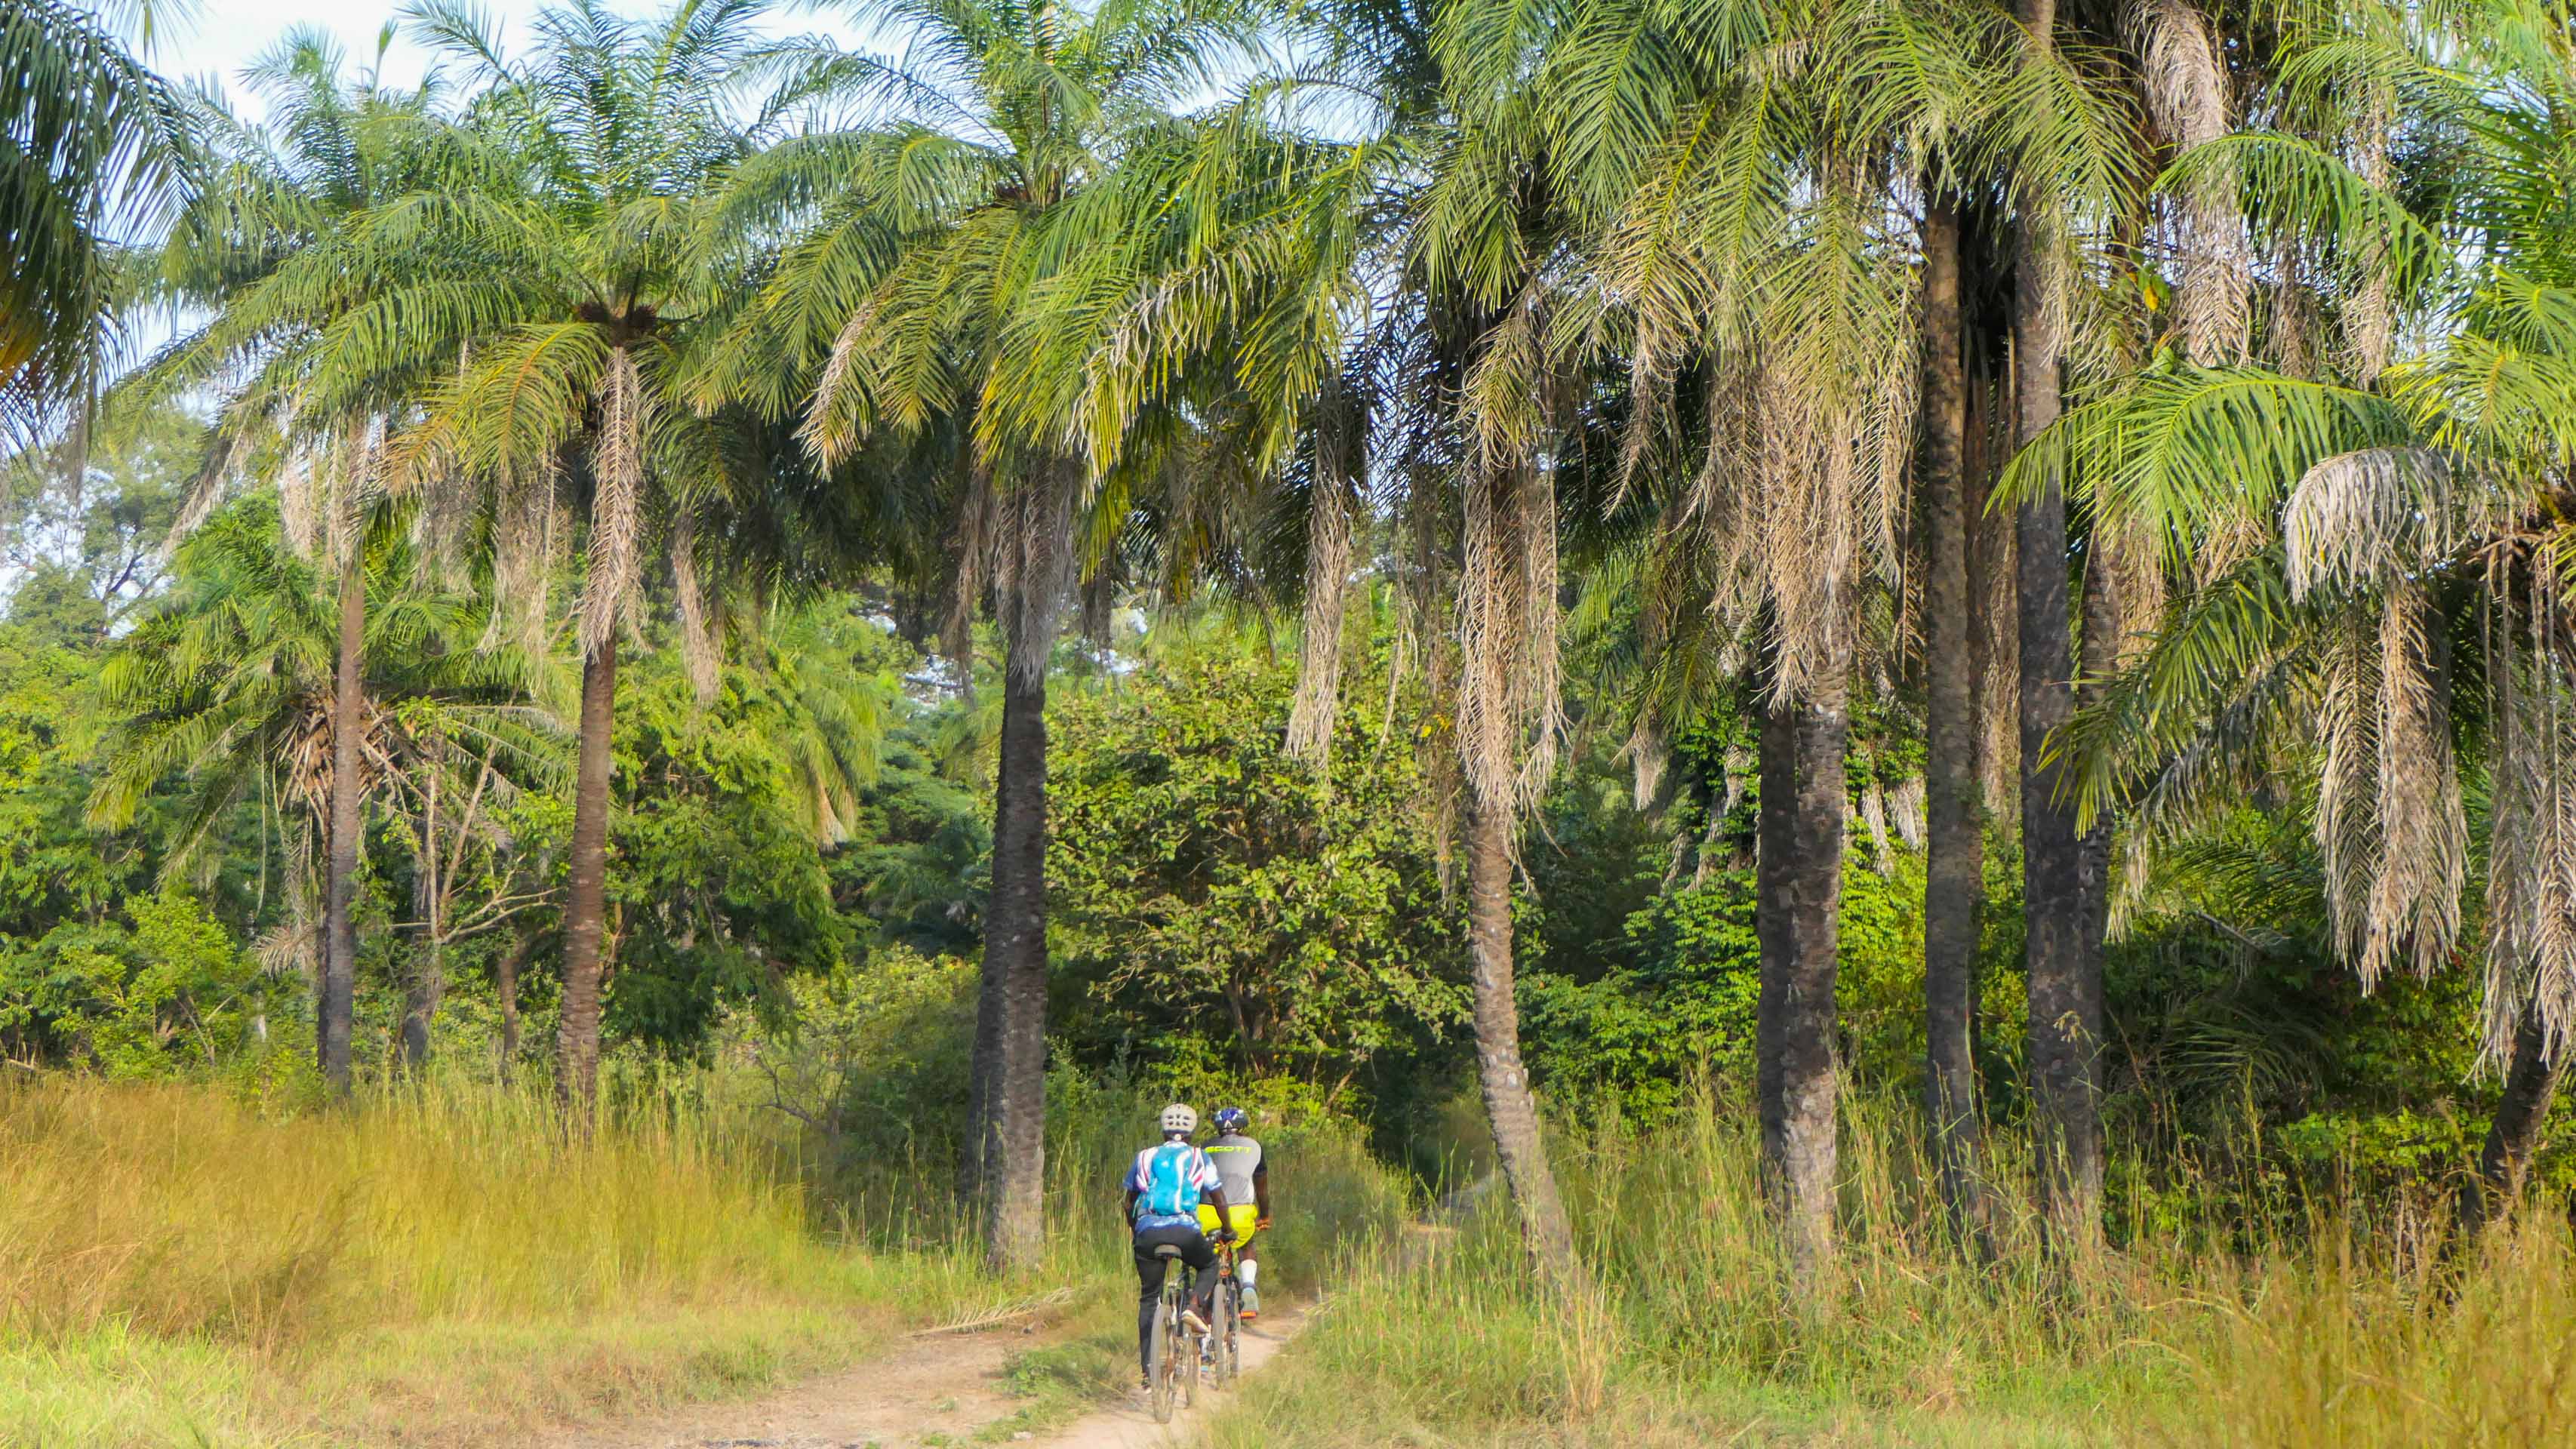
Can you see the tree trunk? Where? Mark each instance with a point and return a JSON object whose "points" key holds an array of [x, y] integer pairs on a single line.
{"points": [[1954, 806], [1010, 1028], [2530, 1085], [2065, 998], [1519, 1143], [338, 1004], [1799, 890], [427, 986], [585, 903]]}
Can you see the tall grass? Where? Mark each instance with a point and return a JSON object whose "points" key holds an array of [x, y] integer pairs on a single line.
{"points": [[177, 1267], [447, 1263], [2340, 1333]]}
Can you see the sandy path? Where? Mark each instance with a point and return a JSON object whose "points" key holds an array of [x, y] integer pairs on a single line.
{"points": [[936, 1390], [1132, 1426]]}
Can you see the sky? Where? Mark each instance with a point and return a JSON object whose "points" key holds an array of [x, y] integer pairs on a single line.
{"points": [[226, 35]]}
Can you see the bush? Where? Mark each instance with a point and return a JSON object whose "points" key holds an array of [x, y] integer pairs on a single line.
{"points": [[1634, 1038]]}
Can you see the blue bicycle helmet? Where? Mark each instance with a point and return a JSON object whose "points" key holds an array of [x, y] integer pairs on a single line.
{"points": [[1232, 1119]]}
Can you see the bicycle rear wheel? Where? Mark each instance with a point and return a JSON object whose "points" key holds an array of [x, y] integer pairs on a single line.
{"points": [[1167, 1369], [1187, 1351]]}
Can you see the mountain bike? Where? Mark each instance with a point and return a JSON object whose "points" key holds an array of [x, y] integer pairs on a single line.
{"points": [[1226, 1345], [1175, 1375]]}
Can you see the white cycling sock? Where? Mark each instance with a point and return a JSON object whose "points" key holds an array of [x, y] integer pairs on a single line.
{"points": [[1249, 1271]]}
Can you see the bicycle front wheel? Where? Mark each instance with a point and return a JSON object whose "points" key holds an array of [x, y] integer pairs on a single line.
{"points": [[1229, 1345]]}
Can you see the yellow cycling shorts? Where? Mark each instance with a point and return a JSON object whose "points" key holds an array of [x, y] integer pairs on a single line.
{"points": [[1238, 1215]]}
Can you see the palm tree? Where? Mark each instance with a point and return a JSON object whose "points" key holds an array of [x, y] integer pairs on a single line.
{"points": [[232, 682], [928, 233], [1742, 184], [2414, 502], [330, 149], [90, 142], [550, 275]]}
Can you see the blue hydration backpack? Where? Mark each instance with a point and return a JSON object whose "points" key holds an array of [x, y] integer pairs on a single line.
{"points": [[1170, 1191]]}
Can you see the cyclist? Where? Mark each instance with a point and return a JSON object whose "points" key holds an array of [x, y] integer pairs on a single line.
{"points": [[1164, 1190], [1245, 1175]]}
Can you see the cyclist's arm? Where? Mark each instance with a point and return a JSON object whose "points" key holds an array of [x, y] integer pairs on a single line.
{"points": [[1130, 1215], [1261, 1191]]}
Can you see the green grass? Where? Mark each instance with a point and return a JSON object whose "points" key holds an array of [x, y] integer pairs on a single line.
{"points": [[1696, 1335]]}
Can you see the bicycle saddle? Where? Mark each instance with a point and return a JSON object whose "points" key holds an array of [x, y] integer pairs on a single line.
{"points": [[1166, 1250]]}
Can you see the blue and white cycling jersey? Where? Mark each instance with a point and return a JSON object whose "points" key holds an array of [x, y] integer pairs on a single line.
{"points": [[1168, 1180]]}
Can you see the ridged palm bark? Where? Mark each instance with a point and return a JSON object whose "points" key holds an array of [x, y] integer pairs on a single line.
{"points": [[2065, 1002], [585, 911], [1799, 881], [1009, 1129], [1954, 804]]}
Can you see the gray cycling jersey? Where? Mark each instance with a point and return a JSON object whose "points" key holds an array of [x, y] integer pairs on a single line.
{"points": [[1237, 1158]]}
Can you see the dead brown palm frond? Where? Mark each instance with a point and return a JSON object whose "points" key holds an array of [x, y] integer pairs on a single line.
{"points": [[2414, 903], [1340, 428], [2531, 850], [698, 649], [2347, 831], [2360, 518], [2184, 81], [2369, 314], [527, 530], [617, 512]]}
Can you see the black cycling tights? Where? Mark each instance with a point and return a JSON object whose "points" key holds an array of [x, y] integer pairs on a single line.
{"points": [[1149, 1278]]}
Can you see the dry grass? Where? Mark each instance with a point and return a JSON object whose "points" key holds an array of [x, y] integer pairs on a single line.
{"points": [[178, 1268], [1698, 1338]]}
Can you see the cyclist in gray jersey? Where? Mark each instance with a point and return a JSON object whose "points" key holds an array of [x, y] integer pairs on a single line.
{"points": [[1245, 1172]]}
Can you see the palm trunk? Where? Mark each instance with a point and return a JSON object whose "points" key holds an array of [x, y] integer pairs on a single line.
{"points": [[1011, 1020], [338, 1005], [2065, 1012], [1799, 886], [1954, 807], [1519, 1144], [585, 903], [2530, 1085]]}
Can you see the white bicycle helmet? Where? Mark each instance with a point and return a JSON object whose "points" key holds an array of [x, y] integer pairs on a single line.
{"points": [[1179, 1118]]}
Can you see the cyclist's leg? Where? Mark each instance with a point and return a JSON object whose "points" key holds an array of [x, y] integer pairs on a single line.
{"points": [[1149, 1282], [1201, 1256], [1247, 1259]]}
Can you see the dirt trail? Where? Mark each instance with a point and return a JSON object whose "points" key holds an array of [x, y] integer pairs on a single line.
{"points": [[940, 1390], [937, 1390]]}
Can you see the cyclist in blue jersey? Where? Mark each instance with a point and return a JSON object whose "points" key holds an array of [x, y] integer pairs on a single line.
{"points": [[1164, 1190]]}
